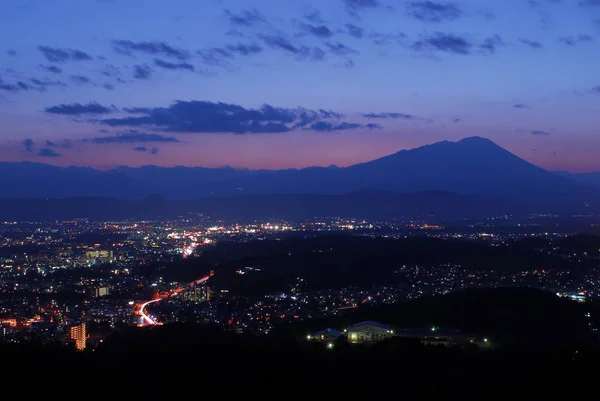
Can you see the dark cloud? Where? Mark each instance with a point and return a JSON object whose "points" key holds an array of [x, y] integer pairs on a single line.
{"points": [[133, 136], [576, 39], [129, 48], [108, 86], [531, 43], [80, 79], [142, 71], [444, 42], [490, 44], [398, 116], [456, 120], [541, 133], [153, 151], [332, 126], [244, 18], [519, 106], [429, 11], [302, 52], [56, 55], [320, 31], [340, 49], [47, 152], [208, 117], [51, 68], [76, 109], [19, 86], [11, 52], [28, 145], [355, 31], [173, 66]]}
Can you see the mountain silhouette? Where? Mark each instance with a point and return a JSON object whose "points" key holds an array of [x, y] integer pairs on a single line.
{"points": [[471, 166]]}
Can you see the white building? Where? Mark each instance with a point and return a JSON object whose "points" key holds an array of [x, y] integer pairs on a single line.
{"points": [[369, 331]]}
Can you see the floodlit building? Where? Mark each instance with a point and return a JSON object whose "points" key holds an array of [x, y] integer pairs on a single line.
{"points": [[327, 335], [76, 334], [101, 292], [368, 332]]}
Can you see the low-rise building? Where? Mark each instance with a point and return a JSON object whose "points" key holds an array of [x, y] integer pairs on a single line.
{"points": [[368, 332], [327, 335]]}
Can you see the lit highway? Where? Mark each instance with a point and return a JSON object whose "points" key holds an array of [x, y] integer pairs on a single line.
{"points": [[140, 308], [146, 318]]}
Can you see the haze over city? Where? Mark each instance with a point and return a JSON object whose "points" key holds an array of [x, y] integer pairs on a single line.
{"points": [[273, 85]]}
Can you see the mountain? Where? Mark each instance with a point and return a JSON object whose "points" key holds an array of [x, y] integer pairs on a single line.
{"points": [[472, 166], [475, 166], [362, 204]]}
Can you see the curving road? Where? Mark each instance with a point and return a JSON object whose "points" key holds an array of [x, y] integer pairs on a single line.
{"points": [[146, 318]]}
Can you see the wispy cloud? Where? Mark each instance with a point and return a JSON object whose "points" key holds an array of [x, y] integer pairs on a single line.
{"points": [[444, 42], [28, 145], [429, 11], [152, 151], [57, 55], [279, 42], [340, 49], [142, 71], [80, 79], [51, 68], [244, 18], [129, 48], [320, 31], [76, 109], [573, 40], [173, 66], [398, 116], [323, 126], [133, 136], [531, 43], [355, 30], [47, 152]]}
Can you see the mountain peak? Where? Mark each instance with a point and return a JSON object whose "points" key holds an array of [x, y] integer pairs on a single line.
{"points": [[477, 140]]}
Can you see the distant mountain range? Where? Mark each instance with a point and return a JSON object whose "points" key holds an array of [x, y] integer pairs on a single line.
{"points": [[473, 167]]}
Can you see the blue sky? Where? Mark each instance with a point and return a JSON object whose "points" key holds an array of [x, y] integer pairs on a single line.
{"points": [[113, 82]]}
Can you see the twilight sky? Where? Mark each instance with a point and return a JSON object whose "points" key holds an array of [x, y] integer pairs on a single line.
{"points": [[277, 84]]}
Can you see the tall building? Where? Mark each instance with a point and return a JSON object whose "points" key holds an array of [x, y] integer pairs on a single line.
{"points": [[77, 335]]}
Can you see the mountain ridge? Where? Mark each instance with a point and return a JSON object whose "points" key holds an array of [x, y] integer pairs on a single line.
{"points": [[470, 166]]}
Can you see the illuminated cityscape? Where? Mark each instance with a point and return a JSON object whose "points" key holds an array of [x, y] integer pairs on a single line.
{"points": [[109, 275]]}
